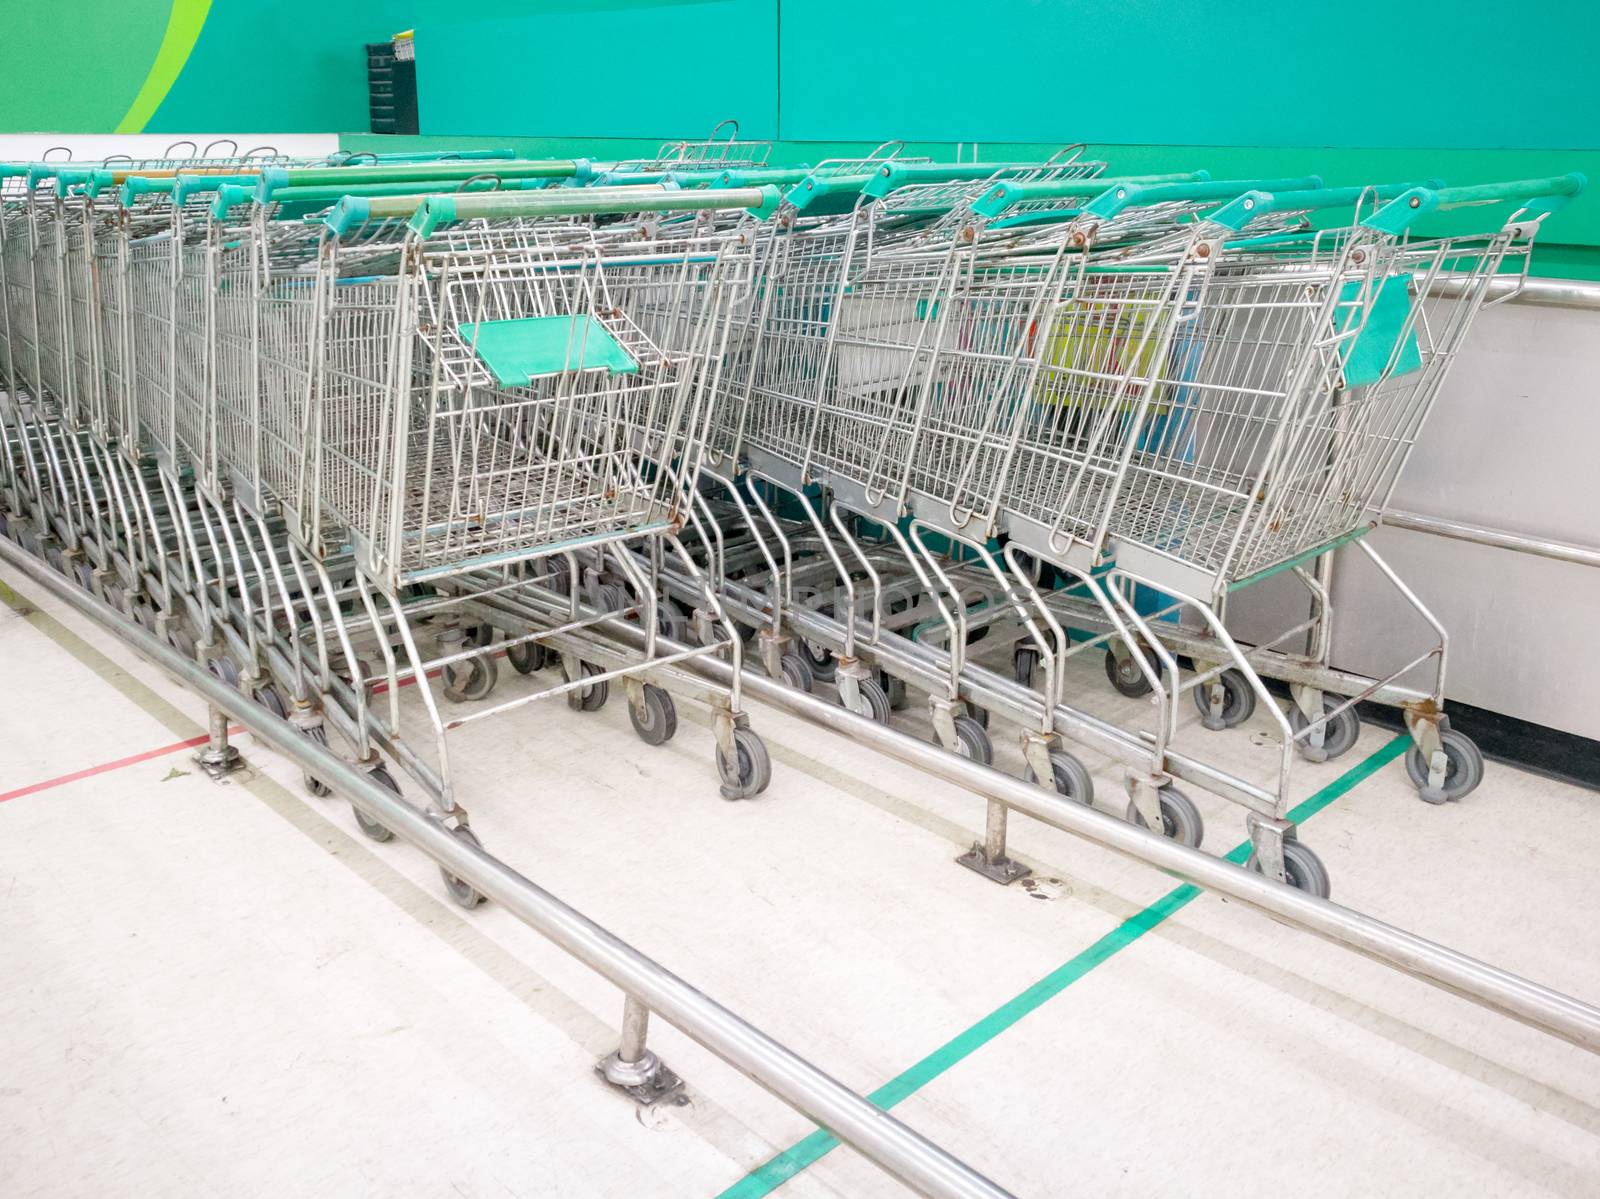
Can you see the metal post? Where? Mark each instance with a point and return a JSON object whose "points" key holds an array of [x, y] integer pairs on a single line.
{"points": [[633, 1069], [218, 758]]}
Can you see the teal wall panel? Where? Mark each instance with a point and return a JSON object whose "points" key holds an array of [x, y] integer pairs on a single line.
{"points": [[1377, 73], [646, 68]]}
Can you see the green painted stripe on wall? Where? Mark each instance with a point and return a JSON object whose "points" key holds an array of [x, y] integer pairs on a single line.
{"points": [[187, 19]]}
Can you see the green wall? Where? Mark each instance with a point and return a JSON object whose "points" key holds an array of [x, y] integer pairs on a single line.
{"points": [[1347, 90]]}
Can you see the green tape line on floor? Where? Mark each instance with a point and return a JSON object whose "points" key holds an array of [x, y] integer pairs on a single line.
{"points": [[774, 1172]]}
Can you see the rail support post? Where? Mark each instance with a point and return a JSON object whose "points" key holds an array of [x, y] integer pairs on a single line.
{"points": [[988, 857], [218, 758], [633, 1069]]}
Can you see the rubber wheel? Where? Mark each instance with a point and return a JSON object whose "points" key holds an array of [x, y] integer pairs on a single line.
{"points": [[527, 657], [972, 741], [672, 622], [1024, 661], [981, 715], [1304, 868], [872, 702], [656, 717], [312, 784], [270, 698], [750, 771], [591, 698], [369, 827], [797, 672], [223, 668], [1463, 772], [895, 689], [1126, 676], [1339, 735], [473, 679], [1071, 777], [462, 893], [1238, 699], [1180, 819], [480, 634], [821, 660], [610, 597]]}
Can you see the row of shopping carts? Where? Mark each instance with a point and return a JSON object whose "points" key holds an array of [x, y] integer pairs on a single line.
{"points": [[884, 425]]}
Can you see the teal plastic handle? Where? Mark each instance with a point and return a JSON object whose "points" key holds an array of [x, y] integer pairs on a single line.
{"points": [[1539, 196], [435, 210], [891, 175], [229, 195], [761, 176], [329, 194], [813, 193], [142, 185], [1257, 203], [421, 174], [194, 185], [1116, 200], [88, 180], [1004, 195]]}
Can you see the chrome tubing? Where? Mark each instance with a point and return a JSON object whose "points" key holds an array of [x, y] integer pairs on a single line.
{"points": [[874, 1133]]}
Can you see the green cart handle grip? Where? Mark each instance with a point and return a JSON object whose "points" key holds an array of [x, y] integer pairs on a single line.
{"points": [[815, 187], [193, 185], [434, 210], [329, 194], [142, 185], [1539, 196], [892, 175], [1258, 203], [1004, 195], [419, 173], [229, 195], [761, 176], [38, 172], [88, 179], [1116, 200]]}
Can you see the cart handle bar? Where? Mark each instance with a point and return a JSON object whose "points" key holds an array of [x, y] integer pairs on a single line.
{"points": [[434, 210], [273, 178], [1002, 196], [1538, 197], [1257, 203]]}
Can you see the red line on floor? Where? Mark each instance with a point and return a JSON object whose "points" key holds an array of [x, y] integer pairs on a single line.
{"points": [[91, 771]]}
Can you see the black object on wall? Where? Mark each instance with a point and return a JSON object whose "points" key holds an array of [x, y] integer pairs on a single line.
{"points": [[391, 90]]}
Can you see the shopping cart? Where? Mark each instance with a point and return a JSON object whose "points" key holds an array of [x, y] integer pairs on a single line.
{"points": [[505, 409]]}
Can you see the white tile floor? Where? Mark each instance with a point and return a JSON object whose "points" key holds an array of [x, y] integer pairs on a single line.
{"points": [[224, 989]]}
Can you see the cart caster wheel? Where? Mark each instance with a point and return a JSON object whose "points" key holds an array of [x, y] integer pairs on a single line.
{"points": [[479, 634], [182, 640], [1024, 661], [462, 893], [797, 672], [471, 680], [895, 689], [1126, 676], [368, 826], [656, 717], [750, 771], [527, 657], [821, 660], [1238, 700], [85, 577], [1304, 868], [871, 702], [1462, 774], [222, 668], [316, 786], [980, 715], [270, 698], [610, 597], [592, 697], [672, 621], [972, 741], [1071, 777], [1338, 736], [1180, 819]]}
